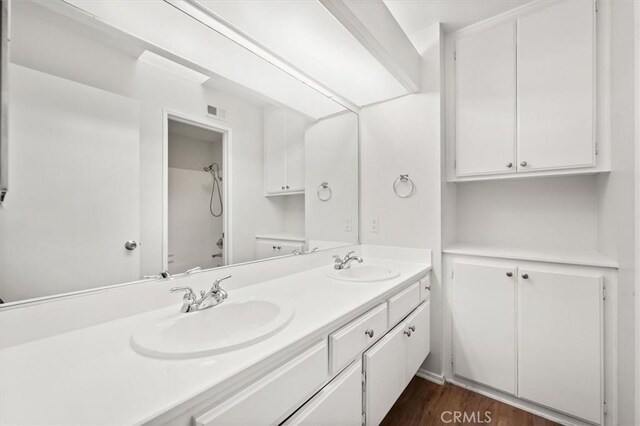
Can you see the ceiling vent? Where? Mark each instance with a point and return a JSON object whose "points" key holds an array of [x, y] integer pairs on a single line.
{"points": [[216, 112]]}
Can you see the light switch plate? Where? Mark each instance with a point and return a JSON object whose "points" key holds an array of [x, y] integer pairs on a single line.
{"points": [[374, 225]]}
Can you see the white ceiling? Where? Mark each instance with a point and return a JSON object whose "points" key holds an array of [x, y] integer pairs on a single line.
{"points": [[169, 32], [308, 36], [416, 15]]}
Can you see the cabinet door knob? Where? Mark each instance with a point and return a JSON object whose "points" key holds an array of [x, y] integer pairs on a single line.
{"points": [[525, 276], [274, 247], [369, 332], [130, 245], [509, 274], [523, 164], [287, 186], [279, 248], [282, 187], [407, 332], [412, 327], [509, 165]]}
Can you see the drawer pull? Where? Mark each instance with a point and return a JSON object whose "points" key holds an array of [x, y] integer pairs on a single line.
{"points": [[509, 274], [408, 333], [525, 276], [412, 327], [369, 333]]}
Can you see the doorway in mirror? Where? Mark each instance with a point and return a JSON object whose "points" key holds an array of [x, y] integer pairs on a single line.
{"points": [[196, 193]]}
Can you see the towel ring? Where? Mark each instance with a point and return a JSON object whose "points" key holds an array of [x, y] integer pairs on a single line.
{"points": [[324, 192], [404, 179]]}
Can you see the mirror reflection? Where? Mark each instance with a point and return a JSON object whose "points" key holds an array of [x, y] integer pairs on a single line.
{"points": [[143, 148]]}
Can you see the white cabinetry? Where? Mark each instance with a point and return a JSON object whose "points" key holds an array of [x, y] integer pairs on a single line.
{"points": [[524, 93], [391, 363], [267, 247], [556, 87], [484, 325], [339, 403], [486, 101], [560, 341], [284, 133], [534, 332], [305, 390], [268, 400]]}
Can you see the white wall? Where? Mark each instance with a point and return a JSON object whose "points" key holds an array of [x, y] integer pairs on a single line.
{"points": [[47, 47], [558, 212], [617, 192], [331, 155], [403, 136]]}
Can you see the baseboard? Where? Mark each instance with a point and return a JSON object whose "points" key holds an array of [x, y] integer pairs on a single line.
{"points": [[432, 377]]}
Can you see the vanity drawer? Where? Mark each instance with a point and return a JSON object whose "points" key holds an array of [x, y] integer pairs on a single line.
{"points": [[338, 403], [425, 288], [401, 304], [356, 336], [273, 397]]}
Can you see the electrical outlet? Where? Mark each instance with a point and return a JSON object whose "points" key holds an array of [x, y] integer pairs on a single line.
{"points": [[374, 224], [347, 224]]}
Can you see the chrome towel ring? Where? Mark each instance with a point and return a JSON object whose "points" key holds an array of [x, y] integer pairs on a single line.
{"points": [[404, 179], [324, 192]]}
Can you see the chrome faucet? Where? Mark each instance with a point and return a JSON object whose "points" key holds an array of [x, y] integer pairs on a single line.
{"points": [[301, 251], [213, 297], [346, 262]]}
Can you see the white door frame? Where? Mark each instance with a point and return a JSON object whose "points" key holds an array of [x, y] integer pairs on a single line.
{"points": [[209, 124]]}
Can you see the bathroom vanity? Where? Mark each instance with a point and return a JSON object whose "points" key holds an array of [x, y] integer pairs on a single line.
{"points": [[347, 351]]}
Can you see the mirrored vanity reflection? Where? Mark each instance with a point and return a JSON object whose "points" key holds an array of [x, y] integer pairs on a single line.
{"points": [[145, 144]]}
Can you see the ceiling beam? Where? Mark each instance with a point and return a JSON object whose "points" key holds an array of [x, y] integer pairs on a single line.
{"points": [[373, 25]]}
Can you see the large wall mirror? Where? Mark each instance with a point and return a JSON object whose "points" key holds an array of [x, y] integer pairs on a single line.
{"points": [[142, 141]]}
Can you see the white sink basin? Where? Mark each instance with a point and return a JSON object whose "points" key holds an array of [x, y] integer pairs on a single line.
{"points": [[228, 326], [362, 273]]}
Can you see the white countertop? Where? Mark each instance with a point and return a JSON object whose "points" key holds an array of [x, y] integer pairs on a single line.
{"points": [[567, 256], [281, 236], [93, 376]]}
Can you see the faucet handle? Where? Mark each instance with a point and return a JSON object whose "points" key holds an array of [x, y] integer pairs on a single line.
{"points": [[349, 254], [192, 270], [216, 283], [188, 295]]}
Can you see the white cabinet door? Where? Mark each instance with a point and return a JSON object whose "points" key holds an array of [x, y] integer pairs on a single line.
{"points": [[419, 323], [560, 342], [265, 249], [386, 374], [486, 102], [556, 87], [275, 150], [338, 403], [484, 325], [83, 178], [288, 247], [296, 126]]}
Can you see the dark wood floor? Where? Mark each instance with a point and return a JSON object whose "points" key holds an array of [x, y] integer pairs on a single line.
{"points": [[426, 403]]}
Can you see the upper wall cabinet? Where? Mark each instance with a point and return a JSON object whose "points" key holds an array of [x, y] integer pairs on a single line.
{"points": [[284, 151], [486, 101], [556, 87], [522, 94]]}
